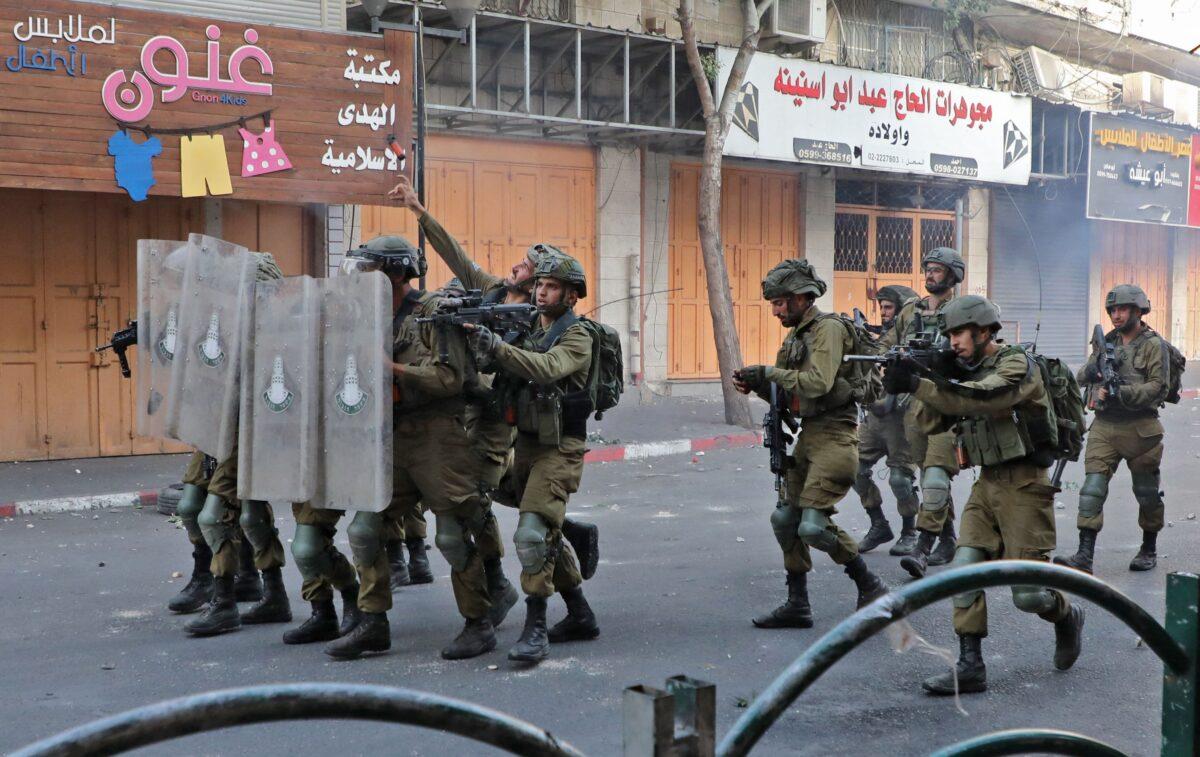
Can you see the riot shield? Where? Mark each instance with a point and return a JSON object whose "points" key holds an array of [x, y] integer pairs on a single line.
{"points": [[355, 467], [161, 265], [214, 320], [277, 449]]}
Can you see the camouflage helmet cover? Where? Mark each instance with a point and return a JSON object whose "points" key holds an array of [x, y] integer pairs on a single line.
{"points": [[393, 253], [1127, 294], [948, 257], [553, 263], [895, 294], [970, 310], [792, 277]]}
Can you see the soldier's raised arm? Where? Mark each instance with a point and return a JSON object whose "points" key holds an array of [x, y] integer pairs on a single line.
{"points": [[446, 246]]}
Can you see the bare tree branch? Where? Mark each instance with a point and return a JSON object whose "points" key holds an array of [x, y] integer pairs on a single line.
{"points": [[763, 7], [691, 48]]}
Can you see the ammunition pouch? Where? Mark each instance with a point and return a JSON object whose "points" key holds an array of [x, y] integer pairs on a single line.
{"points": [[994, 440], [576, 407], [540, 413]]}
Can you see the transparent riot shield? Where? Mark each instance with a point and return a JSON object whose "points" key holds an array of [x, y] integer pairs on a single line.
{"points": [[277, 448], [214, 320], [161, 265], [355, 467]]}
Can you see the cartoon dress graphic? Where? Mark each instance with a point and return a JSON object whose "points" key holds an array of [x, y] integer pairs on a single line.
{"points": [[209, 348], [262, 153], [350, 398], [277, 396]]}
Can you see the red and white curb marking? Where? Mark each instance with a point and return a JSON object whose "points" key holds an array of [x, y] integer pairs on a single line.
{"points": [[607, 454]]}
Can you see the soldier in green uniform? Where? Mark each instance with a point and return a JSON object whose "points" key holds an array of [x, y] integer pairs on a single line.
{"points": [[997, 405], [881, 433], [1126, 428], [219, 521], [544, 378], [323, 569], [433, 466], [934, 454], [810, 369]]}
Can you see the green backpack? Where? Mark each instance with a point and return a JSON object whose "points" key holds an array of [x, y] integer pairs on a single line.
{"points": [[1177, 364], [1065, 437], [606, 377], [866, 384]]}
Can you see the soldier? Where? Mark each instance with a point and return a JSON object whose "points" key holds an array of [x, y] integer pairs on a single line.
{"points": [[493, 437], [882, 433], [323, 568], [810, 369], [433, 465], [1010, 513], [1126, 428], [934, 454], [544, 378]]}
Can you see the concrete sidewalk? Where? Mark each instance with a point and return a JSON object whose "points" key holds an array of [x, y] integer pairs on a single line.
{"points": [[632, 430]]}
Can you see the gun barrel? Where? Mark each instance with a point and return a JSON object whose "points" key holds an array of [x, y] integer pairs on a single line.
{"points": [[864, 359]]}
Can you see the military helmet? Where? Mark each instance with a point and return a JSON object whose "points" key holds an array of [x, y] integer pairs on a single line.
{"points": [[390, 254], [970, 310], [895, 294], [1127, 294], [792, 277], [553, 263], [948, 257]]}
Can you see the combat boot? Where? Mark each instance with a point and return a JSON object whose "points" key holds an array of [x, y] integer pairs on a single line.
{"points": [[534, 644], [351, 615], [221, 615], [1147, 556], [322, 625], [274, 607], [580, 623], [918, 561], [247, 583], [947, 543], [199, 588], [418, 562], [970, 670], [870, 586], [477, 637], [1068, 639], [585, 540], [879, 532], [795, 612], [1083, 557], [372, 634], [908, 537], [398, 565], [502, 594]]}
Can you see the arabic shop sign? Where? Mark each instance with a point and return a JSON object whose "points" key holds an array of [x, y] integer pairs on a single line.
{"points": [[796, 110], [1141, 171], [45, 54]]}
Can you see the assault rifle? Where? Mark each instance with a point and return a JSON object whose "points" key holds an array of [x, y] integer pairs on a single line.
{"points": [[501, 319], [1106, 368], [920, 351], [775, 438], [121, 341]]}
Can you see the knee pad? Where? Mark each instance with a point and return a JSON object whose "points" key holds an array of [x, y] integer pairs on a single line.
{"points": [[365, 534], [814, 530], [1145, 490], [191, 502], [452, 541], [530, 541], [311, 552], [967, 556], [212, 523], [901, 482], [1092, 494], [862, 479], [784, 522], [257, 525], [1033, 599], [935, 488]]}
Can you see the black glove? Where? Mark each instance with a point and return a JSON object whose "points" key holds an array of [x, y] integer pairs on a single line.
{"points": [[900, 378], [484, 341], [753, 376]]}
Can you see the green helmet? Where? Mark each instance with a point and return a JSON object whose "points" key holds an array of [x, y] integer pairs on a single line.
{"points": [[553, 263], [895, 294], [792, 277], [949, 258], [1127, 294], [970, 310], [390, 254]]}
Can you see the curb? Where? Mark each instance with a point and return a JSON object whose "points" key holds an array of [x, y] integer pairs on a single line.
{"points": [[607, 454], [1190, 394]]}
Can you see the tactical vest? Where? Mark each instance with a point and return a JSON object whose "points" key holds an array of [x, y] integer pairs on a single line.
{"points": [[1129, 373], [1025, 432], [409, 347], [549, 411], [793, 354]]}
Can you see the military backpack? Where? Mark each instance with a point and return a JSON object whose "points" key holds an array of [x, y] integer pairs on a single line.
{"points": [[606, 377], [866, 385], [1176, 365], [1066, 405]]}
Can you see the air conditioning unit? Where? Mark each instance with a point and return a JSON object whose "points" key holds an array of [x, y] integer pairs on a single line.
{"points": [[796, 21], [1184, 102], [1040, 73], [1143, 88]]}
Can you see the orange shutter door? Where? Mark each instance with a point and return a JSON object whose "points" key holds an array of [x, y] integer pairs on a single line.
{"points": [[1134, 253], [22, 340]]}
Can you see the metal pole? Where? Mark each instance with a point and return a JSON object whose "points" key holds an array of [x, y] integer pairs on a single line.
{"points": [[474, 97], [578, 75], [626, 78], [527, 103], [672, 105], [419, 169], [958, 224], [1025, 741]]}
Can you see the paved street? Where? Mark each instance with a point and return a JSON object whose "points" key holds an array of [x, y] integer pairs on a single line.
{"points": [[688, 558]]}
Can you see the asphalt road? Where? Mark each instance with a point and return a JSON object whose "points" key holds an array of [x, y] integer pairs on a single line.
{"points": [[688, 558]]}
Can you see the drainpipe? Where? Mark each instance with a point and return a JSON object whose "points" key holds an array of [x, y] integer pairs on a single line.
{"points": [[635, 319]]}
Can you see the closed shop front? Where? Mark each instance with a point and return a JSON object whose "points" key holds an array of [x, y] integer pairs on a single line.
{"points": [[761, 226], [498, 197], [1134, 253]]}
